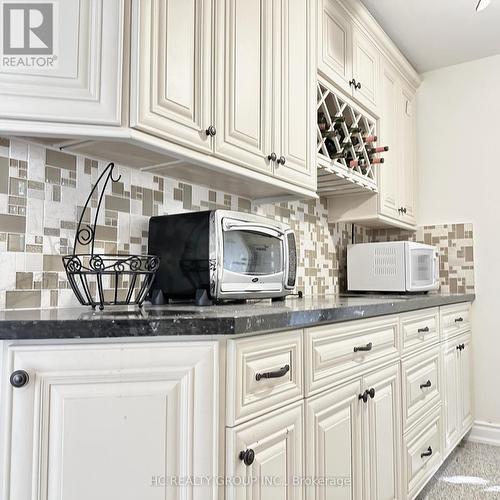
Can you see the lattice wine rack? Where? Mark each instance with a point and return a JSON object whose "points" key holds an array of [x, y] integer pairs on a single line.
{"points": [[345, 151]]}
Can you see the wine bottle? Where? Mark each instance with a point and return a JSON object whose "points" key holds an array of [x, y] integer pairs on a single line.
{"points": [[370, 138], [355, 130], [377, 160], [337, 130], [322, 122], [338, 119], [380, 149]]}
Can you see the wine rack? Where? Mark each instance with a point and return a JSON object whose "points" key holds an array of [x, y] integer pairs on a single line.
{"points": [[343, 129]]}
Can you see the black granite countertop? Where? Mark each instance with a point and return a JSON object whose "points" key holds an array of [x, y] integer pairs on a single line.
{"points": [[229, 319]]}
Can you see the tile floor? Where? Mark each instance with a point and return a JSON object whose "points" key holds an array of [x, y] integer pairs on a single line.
{"points": [[471, 472]]}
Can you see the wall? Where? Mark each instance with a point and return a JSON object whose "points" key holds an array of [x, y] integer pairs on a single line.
{"points": [[458, 134]]}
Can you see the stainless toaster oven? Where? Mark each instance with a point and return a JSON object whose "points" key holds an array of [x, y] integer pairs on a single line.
{"points": [[221, 255]]}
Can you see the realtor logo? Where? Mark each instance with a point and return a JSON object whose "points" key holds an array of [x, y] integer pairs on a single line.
{"points": [[28, 28]]}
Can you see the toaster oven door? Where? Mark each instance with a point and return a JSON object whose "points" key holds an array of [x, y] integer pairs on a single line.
{"points": [[253, 257]]}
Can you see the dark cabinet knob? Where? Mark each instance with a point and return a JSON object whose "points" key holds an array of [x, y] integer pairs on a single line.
{"points": [[364, 396], [426, 453], [368, 393], [459, 320], [247, 456], [19, 378], [352, 82], [211, 131], [364, 348], [358, 86], [425, 329], [281, 160], [272, 157], [426, 385], [460, 347], [276, 374]]}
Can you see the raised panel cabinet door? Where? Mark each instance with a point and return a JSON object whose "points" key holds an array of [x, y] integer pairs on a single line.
{"points": [[333, 444], [244, 75], [382, 435], [407, 166], [172, 81], [297, 110], [77, 76], [451, 394], [466, 415], [114, 421], [334, 41], [265, 457], [366, 67], [388, 173]]}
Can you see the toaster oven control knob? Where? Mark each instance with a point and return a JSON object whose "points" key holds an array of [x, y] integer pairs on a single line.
{"points": [[272, 157], [211, 131], [19, 378], [247, 456]]}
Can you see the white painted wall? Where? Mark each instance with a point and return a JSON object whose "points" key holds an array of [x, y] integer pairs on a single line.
{"points": [[458, 150]]}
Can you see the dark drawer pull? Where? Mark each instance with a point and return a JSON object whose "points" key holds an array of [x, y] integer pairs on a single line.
{"points": [[426, 385], [276, 374], [367, 347], [247, 456], [427, 453], [425, 329], [459, 320], [460, 347]]}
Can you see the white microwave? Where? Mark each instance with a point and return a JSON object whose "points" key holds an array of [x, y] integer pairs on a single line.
{"points": [[398, 266]]}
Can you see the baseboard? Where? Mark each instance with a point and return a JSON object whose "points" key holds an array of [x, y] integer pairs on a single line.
{"points": [[483, 432]]}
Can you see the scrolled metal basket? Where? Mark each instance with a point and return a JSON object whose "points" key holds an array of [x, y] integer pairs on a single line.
{"points": [[106, 279]]}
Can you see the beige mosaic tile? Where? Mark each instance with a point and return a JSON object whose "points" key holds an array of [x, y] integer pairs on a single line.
{"points": [[42, 194]]}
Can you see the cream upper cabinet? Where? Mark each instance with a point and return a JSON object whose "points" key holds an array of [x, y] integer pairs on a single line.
{"points": [[77, 77], [295, 130], [407, 141], [266, 455], [366, 66], [111, 421], [388, 173], [346, 55], [265, 89], [245, 74], [335, 46], [172, 59]]}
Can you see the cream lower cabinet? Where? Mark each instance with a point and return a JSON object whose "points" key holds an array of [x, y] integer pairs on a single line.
{"points": [[457, 406], [353, 439], [115, 421], [265, 457]]}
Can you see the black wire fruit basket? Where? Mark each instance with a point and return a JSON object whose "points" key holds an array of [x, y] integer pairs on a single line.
{"points": [[106, 279]]}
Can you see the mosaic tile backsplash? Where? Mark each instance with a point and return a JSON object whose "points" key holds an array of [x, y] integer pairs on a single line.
{"points": [[42, 193]]}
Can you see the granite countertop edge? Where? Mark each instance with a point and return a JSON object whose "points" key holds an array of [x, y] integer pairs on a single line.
{"points": [[247, 319]]}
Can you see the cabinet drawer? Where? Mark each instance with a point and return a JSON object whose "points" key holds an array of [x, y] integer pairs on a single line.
{"points": [[455, 319], [263, 373], [340, 351], [422, 453], [419, 329], [421, 385]]}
